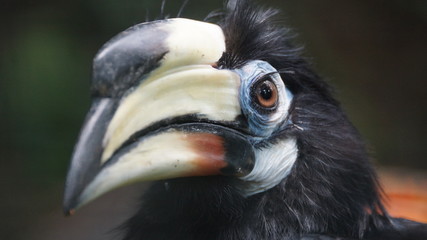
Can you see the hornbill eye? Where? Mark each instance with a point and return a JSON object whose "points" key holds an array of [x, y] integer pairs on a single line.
{"points": [[265, 94], [265, 99]]}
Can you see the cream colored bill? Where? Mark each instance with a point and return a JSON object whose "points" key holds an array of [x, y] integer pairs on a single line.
{"points": [[202, 90]]}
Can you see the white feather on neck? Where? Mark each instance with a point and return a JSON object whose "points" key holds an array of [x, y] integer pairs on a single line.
{"points": [[272, 165]]}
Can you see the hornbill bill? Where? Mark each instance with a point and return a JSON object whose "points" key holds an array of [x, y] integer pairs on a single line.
{"points": [[241, 138]]}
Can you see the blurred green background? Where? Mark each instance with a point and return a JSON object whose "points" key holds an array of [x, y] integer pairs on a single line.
{"points": [[373, 51]]}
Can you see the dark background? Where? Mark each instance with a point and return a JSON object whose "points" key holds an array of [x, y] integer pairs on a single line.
{"points": [[373, 51]]}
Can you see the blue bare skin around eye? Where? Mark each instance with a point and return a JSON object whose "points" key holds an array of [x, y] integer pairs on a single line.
{"points": [[259, 123]]}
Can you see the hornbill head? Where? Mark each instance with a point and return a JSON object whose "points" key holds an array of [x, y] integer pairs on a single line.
{"points": [[234, 102]]}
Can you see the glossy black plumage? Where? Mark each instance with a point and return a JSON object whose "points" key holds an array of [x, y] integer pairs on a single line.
{"points": [[332, 191]]}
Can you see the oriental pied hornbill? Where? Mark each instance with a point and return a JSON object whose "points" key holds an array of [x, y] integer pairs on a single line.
{"points": [[241, 138]]}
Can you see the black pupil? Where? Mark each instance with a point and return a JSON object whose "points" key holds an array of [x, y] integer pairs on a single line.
{"points": [[266, 92]]}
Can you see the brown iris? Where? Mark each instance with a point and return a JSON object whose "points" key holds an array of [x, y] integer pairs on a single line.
{"points": [[266, 94]]}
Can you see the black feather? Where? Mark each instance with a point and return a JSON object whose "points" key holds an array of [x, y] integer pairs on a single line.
{"points": [[332, 192], [254, 33]]}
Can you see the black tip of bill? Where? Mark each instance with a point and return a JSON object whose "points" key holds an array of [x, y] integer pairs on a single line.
{"points": [[87, 152]]}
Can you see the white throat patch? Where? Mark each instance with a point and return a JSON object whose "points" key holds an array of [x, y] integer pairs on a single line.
{"points": [[271, 167]]}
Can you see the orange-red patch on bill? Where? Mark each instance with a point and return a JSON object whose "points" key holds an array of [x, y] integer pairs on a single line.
{"points": [[211, 153]]}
